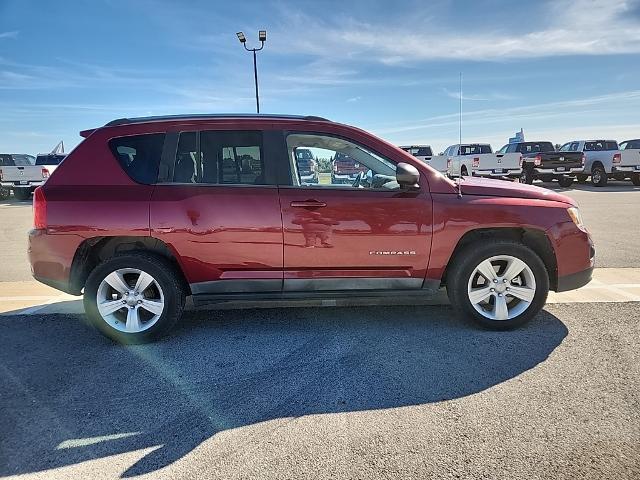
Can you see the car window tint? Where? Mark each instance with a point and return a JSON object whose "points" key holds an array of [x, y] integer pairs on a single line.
{"points": [[328, 161], [424, 152], [611, 146], [139, 155], [220, 158]]}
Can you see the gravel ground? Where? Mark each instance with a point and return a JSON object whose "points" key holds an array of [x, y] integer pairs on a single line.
{"points": [[384, 392]]}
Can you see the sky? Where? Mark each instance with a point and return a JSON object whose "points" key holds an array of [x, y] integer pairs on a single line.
{"points": [[559, 69]]}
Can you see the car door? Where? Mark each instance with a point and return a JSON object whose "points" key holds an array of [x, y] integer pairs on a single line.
{"points": [[367, 235], [216, 205]]}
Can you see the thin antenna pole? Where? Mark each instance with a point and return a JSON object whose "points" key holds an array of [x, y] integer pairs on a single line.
{"points": [[460, 108]]}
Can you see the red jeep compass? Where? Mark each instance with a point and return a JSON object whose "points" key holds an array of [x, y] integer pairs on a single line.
{"points": [[146, 211]]}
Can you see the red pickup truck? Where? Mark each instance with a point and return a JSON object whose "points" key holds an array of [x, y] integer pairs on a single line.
{"points": [[147, 211]]}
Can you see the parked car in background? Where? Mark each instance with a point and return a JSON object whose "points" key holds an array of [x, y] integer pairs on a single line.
{"points": [[541, 161], [599, 159], [154, 227], [307, 165], [50, 161], [478, 159], [421, 152], [345, 169], [627, 165], [18, 173]]}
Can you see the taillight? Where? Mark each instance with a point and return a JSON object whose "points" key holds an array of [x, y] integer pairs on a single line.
{"points": [[475, 163], [617, 158], [537, 160], [520, 161], [335, 167], [448, 163], [584, 159], [0, 174], [45, 173], [39, 209]]}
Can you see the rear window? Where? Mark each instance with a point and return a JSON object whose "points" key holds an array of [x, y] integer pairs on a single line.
{"points": [[535, 147], [474, 149], [630, 145], [600, 145], [49, 159], [139, 155]]}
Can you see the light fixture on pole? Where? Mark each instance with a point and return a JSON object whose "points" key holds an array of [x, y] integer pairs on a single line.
{"points": [[262, 37]]}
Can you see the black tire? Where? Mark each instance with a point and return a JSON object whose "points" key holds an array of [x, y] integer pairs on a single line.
{"points": [[565, 181], [582, 178], [465, 263], [5, 193], [635, 179], [464, 172], [526, 176], [619, 176], [598, 176], [166, 276], [22, 193]]}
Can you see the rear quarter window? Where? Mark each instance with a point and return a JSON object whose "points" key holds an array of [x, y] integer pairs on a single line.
{"points": [[139, 155]]}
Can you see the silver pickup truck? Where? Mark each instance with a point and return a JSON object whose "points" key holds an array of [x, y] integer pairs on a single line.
{"points": [[18, 173], [628, 163], [600, 157]]}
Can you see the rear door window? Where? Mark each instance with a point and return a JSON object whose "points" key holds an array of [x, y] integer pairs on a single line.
{"points": [[139, 155], [220, 158]]}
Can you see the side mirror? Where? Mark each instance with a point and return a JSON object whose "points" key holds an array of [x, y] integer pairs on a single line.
{"points": [[407, 176]]}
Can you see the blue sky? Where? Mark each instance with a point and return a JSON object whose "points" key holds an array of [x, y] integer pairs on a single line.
{"points": [[559, 69]]}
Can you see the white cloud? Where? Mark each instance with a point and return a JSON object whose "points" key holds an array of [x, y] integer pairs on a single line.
{"points": [[570, 27], [13, 34], [354, 99]]}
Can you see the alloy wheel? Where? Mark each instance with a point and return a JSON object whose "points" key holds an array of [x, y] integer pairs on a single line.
{"points": [[130, 300], [501, 287]]}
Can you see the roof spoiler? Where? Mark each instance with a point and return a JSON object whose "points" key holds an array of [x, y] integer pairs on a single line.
{"points": [[86, 133]]}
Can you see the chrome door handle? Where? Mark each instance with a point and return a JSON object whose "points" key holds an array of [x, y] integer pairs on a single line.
{"points": [[308, 204]]}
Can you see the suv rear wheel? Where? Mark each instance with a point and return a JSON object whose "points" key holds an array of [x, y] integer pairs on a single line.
{"points": [[499, 284], [134, 297]]}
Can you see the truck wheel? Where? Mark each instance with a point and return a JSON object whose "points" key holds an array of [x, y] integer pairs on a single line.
{"points": [[635, 179], [598, 176], [463, 171], [565, 181], [526, 176], [22, 193], [5, 193], [499, 284], [134, 297], [582, 178]]}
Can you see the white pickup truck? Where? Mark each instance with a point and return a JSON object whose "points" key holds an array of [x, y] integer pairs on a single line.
{"points": [[477, 159], [18, 173], [627, 164], [421, 152], [600, 158]]}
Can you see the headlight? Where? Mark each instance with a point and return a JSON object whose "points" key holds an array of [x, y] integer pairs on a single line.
{"points": [[576, 216]]}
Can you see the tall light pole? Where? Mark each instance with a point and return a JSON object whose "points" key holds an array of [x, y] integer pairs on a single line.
{"points": [[262, 37]]}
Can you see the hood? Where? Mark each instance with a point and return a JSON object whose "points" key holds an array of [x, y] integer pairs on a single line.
{"points": [[501, 188]]}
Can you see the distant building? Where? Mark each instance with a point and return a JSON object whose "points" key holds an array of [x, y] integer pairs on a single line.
{"points": [[518, 138]]}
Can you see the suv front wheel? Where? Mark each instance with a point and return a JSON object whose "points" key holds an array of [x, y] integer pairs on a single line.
{"points": [[134, 297], [500, 284]]}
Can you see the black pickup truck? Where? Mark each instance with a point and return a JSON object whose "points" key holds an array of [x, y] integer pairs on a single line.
{"points": [[540, 160]]}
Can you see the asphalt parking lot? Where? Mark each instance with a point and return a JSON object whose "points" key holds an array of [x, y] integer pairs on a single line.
{"points": [[361, 392]]}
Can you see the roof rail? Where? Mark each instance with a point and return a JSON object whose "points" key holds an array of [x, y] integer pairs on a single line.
{"points": [[201, 116]]}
